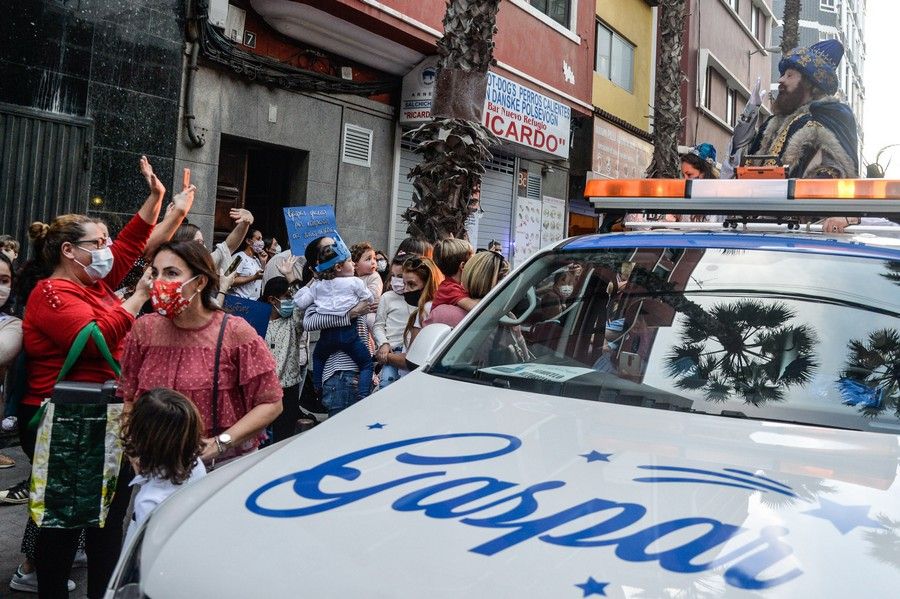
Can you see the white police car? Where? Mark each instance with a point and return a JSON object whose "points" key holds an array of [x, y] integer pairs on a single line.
{"points": [[707, 414]]}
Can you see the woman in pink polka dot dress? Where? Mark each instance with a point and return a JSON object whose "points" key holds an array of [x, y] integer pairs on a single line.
{"points": [[176, 348]]}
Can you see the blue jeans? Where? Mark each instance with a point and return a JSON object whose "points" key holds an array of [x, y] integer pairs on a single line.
{"points": [[389, 373], [340, 391], [345, 339]]}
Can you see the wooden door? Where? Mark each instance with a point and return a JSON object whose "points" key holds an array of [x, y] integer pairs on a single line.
{"points": [[231, 185]]}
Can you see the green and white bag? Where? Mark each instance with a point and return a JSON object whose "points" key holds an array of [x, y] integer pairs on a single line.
{"points": [[78, 451]]}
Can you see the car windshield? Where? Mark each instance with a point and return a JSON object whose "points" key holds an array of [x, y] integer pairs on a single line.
{"points": [[775, 335]]}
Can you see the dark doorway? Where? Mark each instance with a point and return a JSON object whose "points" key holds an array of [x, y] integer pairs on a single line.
{"points": [[262, 178]]}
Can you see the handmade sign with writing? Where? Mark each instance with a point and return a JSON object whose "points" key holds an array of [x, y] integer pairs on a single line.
{"points": [[254, 312]]}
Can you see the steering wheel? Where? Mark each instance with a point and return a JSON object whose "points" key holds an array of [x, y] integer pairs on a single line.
{"points": [[532, 304]]}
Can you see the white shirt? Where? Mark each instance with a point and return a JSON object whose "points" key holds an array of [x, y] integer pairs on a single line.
{"points": [[391, 319], [335, 296], [153, 491], [221, 256], [249, 266]]}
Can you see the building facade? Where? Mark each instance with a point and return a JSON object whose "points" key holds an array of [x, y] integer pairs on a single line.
{"points": [[277, 103], [87, 89], [725, 53], [622, 96], [834, 19]]}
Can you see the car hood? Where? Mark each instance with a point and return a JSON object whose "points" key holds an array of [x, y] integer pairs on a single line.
{"points": [[446, 488]]}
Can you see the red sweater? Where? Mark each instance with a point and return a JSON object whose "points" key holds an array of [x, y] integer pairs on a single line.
{"points": [[449, 292], [58, 309]]}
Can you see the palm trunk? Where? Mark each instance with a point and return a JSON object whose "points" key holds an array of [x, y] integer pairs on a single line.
{"points": [[455, 143], [667, 120], [791, 30]]}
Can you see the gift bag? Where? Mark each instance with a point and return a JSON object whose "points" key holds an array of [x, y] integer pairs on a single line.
{"points": [[78, 451]]}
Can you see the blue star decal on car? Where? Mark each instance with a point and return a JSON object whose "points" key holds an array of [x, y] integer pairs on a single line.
{"points": [[844, 517], [596, 456], [376, 425], [592, 587]]}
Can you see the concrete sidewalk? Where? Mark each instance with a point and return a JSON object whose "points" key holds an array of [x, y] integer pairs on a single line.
{"points": [[12, 525]]}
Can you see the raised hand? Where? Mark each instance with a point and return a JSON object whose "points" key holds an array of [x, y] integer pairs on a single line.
{"points": [[153, 182], [286, 267], [184, 200], [240, 215]]}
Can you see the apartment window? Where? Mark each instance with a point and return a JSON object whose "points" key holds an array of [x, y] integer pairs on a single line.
{"points": [[735, 5], [558, 10], [615, 58], [755, 19], [707, 98], [734, 102], [828, 5]]}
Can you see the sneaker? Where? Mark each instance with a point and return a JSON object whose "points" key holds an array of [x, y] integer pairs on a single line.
{"points": [[27, 583], [16, 493], [6, 461], [9, 424]]}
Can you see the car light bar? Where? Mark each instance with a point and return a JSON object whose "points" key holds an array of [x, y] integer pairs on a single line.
{"points": [[767, 227], [845, 197]]}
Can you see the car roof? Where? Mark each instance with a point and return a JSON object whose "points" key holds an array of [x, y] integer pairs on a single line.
{"points": [[846, 245]]}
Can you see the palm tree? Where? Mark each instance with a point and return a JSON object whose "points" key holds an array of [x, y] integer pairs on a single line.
{"points": [[667, 121], [455, 142], [871, 377], [885, 542], [893, 273], [743, 348], [790, 29]]}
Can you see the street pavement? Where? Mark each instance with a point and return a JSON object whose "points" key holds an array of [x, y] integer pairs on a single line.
{"points": [[12, 524]]}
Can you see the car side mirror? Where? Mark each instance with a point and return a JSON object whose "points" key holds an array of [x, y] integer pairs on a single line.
{"points": [[426, 344]]}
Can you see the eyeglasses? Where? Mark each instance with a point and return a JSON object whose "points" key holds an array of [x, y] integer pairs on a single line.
{"points": [[99, 242]]}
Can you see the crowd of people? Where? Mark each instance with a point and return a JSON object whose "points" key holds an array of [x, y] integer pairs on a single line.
{"points": [[198, 386]]}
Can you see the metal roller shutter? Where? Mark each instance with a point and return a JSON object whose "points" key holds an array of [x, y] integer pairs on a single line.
{"points": [[44, 167], [497, 188]]}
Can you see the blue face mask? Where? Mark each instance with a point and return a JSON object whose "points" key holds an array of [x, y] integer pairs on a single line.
{"points": [[101, 263], [286, 309]]}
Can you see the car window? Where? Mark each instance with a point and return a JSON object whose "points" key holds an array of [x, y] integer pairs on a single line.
{"points": [[797, 337]]}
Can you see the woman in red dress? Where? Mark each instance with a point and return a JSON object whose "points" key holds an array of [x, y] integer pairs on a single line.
{"points": [[176, 347]]}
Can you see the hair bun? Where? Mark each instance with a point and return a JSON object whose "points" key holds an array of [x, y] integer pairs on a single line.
{"points": [[38, 231]]}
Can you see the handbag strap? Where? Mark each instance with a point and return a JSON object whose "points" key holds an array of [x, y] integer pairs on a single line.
{"points": [[215, 395], [90, 331]]}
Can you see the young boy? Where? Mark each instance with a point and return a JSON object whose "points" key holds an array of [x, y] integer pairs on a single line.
{"points": [[450, 255], [336, 290], [10, 247]]}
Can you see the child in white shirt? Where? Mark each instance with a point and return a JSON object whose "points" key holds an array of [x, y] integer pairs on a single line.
{"points": [[335, 291], [163, 439]]}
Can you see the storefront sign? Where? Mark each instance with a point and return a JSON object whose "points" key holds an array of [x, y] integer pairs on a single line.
{"points": [[418, 91], [516, 113], [619, 154], [512, 112], [523, 182]]}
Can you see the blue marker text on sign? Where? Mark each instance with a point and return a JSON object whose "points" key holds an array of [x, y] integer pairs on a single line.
{"points": [[305, 223]]}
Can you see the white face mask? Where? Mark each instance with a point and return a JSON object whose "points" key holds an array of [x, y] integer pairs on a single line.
{"points": [[397, 285], [381, 265], [277, 249], [4, 294], [101, 263], [566, 290]]}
